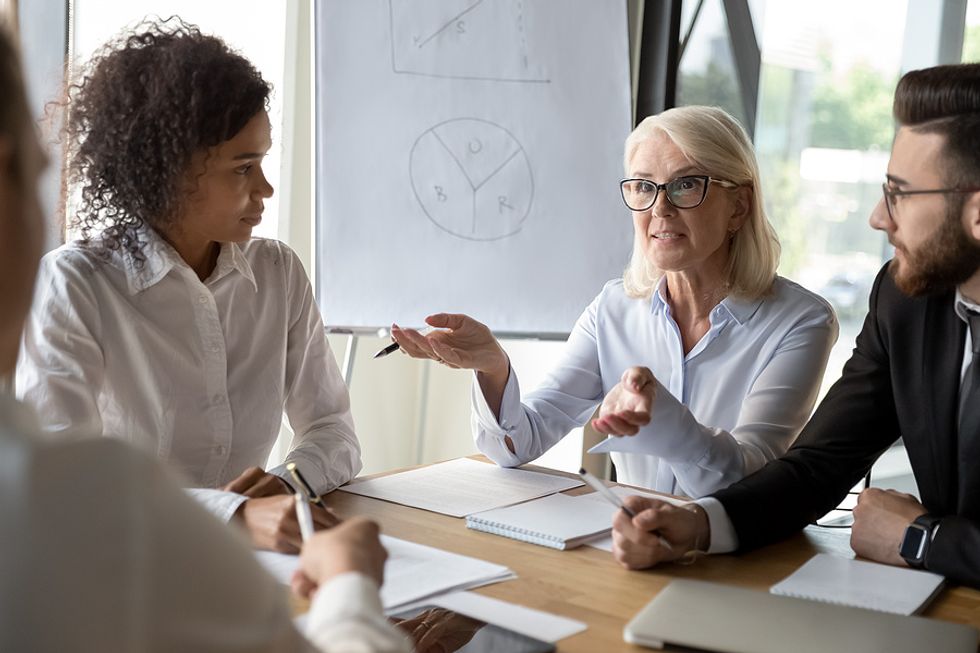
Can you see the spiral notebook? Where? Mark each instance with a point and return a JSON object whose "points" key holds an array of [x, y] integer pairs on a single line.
{"points": [[558, 521], [861, 584]]}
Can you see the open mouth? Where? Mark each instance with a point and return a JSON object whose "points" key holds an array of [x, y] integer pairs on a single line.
{"points": [[666, 235]]}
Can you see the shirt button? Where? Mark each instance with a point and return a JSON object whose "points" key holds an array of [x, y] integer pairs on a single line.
{"points": [[220, 450], [216, 399], [202, 299]]}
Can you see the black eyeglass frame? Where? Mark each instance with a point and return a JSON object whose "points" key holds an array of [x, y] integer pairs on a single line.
{"points": [[890, 194], [706, 179]]}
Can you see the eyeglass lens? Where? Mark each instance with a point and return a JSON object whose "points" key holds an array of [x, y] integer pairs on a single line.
{"points": [[683, 192], [889, 201]]}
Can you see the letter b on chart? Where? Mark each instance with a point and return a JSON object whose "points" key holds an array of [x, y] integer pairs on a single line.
{"points": [[472, 179]]}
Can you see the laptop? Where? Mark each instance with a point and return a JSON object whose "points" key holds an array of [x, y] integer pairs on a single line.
{"points": [[704, 616]]}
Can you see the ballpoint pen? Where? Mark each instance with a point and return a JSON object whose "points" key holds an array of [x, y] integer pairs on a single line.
{"points": [[313, 497], [393, 347], [611, 497], [304, 516]]}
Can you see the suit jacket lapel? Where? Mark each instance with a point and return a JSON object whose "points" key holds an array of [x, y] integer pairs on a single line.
{"points": [[943, 342]]}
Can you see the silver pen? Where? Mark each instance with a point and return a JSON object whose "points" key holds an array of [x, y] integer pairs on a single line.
{"points": [[304, 516], [611, 497]]}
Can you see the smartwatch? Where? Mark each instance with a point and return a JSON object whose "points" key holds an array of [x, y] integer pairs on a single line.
{"points": [[918, 537]]}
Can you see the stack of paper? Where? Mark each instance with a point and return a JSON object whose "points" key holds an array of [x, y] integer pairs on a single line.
{"points": [[527, 621], [461, 487], [412, 572]]}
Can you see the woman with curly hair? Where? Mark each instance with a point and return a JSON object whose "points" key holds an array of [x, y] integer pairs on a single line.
{"points": [[166, 324]]}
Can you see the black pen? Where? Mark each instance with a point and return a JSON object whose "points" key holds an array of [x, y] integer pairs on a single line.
{"points": [[306, 487], [393, 347]]}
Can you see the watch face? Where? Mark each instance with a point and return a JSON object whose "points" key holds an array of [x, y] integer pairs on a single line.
{"points": [[913, 544]]}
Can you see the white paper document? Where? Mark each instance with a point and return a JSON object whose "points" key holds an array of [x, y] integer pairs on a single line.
{"points": [[606, 543], [861, 584], [461, 487], [412, 572], [526, 621]]}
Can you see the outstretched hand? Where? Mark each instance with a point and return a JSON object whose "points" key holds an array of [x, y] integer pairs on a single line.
{"points": [[459, 341], [629, 405]]}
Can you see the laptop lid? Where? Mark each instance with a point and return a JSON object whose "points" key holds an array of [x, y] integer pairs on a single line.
{"points": [[712, 617]]}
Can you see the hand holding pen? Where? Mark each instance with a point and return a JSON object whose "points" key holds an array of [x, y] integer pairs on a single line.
{"points": [[457, 341], [638, 540], [303, 499], [612, 498]]}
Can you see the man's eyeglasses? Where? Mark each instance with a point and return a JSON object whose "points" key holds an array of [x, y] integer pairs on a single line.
{"points": [[892, 194], [684, 192]]}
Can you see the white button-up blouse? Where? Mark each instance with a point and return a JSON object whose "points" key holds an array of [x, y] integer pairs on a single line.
{"points": [[196, 373], [738, 399]]}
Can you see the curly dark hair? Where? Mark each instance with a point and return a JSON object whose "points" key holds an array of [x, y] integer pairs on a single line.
{"points": [[145, 103]]}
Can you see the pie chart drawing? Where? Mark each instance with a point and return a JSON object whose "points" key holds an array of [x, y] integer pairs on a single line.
{"points": [[472, 179]]}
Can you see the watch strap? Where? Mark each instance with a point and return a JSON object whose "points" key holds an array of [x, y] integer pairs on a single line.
{"points": [[928, 522], [927, 525]]}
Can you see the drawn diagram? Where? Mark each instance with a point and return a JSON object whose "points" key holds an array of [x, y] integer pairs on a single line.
{"points": [[463, 39], [472, 178]]}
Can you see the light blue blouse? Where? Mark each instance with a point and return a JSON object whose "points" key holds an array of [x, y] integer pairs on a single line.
{"points": [[736, 401]]}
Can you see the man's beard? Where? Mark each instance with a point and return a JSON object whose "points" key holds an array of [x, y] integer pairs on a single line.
{"points": [[943, 262]]}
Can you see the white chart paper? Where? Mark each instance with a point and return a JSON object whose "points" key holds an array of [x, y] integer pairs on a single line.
{"points": [[468, 159]]}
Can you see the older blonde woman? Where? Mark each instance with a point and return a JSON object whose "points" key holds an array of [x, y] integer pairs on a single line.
{"points": [[701, 352]]}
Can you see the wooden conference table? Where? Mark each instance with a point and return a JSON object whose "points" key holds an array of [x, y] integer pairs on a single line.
{"points": [[588, 585]]}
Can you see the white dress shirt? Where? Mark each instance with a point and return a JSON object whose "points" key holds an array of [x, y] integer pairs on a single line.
{"points": [[724, 539], [738, 399], [195, 373], [102, 552]]}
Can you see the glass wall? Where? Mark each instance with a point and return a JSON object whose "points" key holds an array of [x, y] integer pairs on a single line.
{"points": [[823, 132]]}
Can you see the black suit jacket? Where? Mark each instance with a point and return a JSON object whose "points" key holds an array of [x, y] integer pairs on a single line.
{"points": [[903, 380]]}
